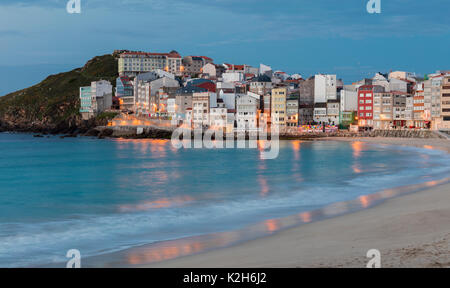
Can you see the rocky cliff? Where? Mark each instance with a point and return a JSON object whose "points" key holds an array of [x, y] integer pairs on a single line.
{"points": [[52, 106]]}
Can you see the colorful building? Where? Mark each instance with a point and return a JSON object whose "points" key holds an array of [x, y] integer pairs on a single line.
{"points": [[100, 94], [125, 92], [86, 102], [365, 104], [278, 107], [421, 113]]}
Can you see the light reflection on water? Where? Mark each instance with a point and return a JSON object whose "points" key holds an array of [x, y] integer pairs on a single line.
{"points": [[111, 195], [184, 247], [168, 250]]}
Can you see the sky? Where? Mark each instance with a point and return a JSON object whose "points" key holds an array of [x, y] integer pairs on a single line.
{"points": [[39, 37]]}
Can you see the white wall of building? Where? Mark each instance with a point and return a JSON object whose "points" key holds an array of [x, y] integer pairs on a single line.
{"points": [[325, 88], [246, 113], [233, 77], [349, 100]]}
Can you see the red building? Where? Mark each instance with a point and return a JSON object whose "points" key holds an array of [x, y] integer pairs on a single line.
{"points": [[365, 104]]}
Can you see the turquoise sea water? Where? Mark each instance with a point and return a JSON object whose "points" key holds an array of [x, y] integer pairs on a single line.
{"points": [[101, 196]]}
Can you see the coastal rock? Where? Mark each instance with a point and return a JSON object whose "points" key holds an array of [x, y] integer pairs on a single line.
{"points": [[105, 133], [92, 132]]}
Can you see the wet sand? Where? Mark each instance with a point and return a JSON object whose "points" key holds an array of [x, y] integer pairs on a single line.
{"points": [[409, 231]]}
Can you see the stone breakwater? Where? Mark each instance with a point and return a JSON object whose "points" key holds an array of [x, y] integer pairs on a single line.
{"points": [[424, 134], [154, 132]]}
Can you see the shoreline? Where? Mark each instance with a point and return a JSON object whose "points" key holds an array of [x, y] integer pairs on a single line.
{"points": [[421, 218], [411, 230], [408, 228]]}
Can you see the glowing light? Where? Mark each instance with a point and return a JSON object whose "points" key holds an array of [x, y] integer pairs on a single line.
{"points": [[365, 201], [357, 148], [271, 225], [264, 186], [305, 217], [156, 204]]}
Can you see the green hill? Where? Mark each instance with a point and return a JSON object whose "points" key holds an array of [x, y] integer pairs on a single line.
{"points": [[53, 105]]}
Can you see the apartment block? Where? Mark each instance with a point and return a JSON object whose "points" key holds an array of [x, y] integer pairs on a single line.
{"points": [[365, 104], [193, 65], [133, 63], [399, 109], [201, 104], [278, 107], [325, 88], [383, 106], [95, 98], [306, 101], [292, 110], [247, 112], [445, 104]]}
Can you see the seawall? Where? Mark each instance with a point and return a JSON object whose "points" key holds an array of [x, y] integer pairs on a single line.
{"points": [[154, 132]]}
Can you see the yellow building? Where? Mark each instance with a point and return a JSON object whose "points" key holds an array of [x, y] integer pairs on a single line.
{"points": [[278, 107]]}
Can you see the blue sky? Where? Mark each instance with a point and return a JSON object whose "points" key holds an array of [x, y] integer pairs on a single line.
{"points": [[298, 36]]}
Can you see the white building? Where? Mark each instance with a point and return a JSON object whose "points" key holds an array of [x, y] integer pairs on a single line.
{"points": [[349, 98], [231, 119], [251, 70], [283, 76], [162, 73], [380, 80], [229, 99], [261, 85], [325, 88], [296, 76], [409, 111], [101, 96], [398, 85], [201, 106], [95, 98], [265, 70], [246, 113], [333, 112], [171, 108], [320, 113], [432, 90], [218, 116], [233, 76], [142, 105], [402, 75], [147, 101]]}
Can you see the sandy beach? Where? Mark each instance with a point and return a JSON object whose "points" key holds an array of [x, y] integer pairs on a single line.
{"points": [[409, 231]]}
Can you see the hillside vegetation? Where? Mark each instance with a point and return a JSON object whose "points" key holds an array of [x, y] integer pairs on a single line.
{"points": [[53, 105]]}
